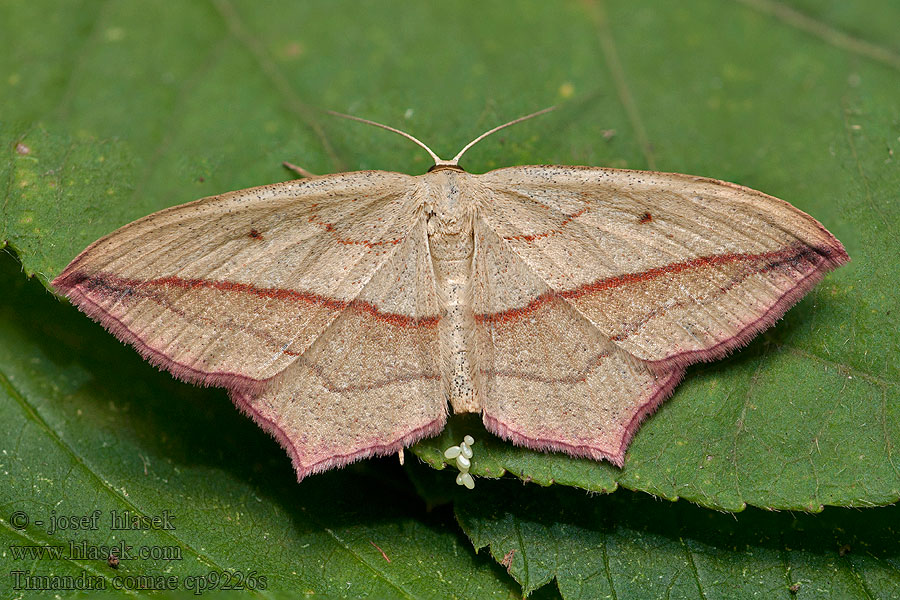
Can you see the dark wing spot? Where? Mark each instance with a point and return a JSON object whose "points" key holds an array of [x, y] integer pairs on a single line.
{"points": [[645, 218], [255, 234]]}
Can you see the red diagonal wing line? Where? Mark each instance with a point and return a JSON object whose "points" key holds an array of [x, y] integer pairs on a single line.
{"points": [[626, 279]]}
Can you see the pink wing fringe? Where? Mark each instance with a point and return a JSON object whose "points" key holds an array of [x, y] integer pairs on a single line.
{"points": [[243, 403], [240, 387], [68, 284], [834, 257], [615, 456]]}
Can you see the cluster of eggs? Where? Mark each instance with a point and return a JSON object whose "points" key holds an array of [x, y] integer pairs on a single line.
{"points": [[463, 456]]}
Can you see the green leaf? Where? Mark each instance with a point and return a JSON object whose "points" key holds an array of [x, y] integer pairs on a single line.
{"points": [[86, 427], [630, 546], [113, 110]]}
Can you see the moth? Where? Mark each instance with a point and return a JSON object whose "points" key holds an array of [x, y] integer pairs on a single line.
{"points": [[345, 312]]}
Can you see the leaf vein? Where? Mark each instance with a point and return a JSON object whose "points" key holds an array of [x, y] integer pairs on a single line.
{"points": [[86, 565], [237, 29], [76, 66], [611, 57], [346, 546], [842, 367], [690, 560], [825, 32], [32, 414], [186, 86]]}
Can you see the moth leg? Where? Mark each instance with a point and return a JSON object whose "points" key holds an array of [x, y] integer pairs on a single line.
{"points": [[299, 170]]}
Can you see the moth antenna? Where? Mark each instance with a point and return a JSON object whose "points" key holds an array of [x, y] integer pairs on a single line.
{"points": [[437, 159], [455, 159]]}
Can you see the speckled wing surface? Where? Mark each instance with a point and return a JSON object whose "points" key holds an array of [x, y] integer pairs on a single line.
{"points": [[312, 301], [596, 287], [344, 312]]}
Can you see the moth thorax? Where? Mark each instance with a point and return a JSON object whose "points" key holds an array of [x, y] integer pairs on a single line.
{"points": [[450, 201]]}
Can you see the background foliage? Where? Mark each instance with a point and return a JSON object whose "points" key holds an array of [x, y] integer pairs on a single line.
{"points": [[112, 110]]}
